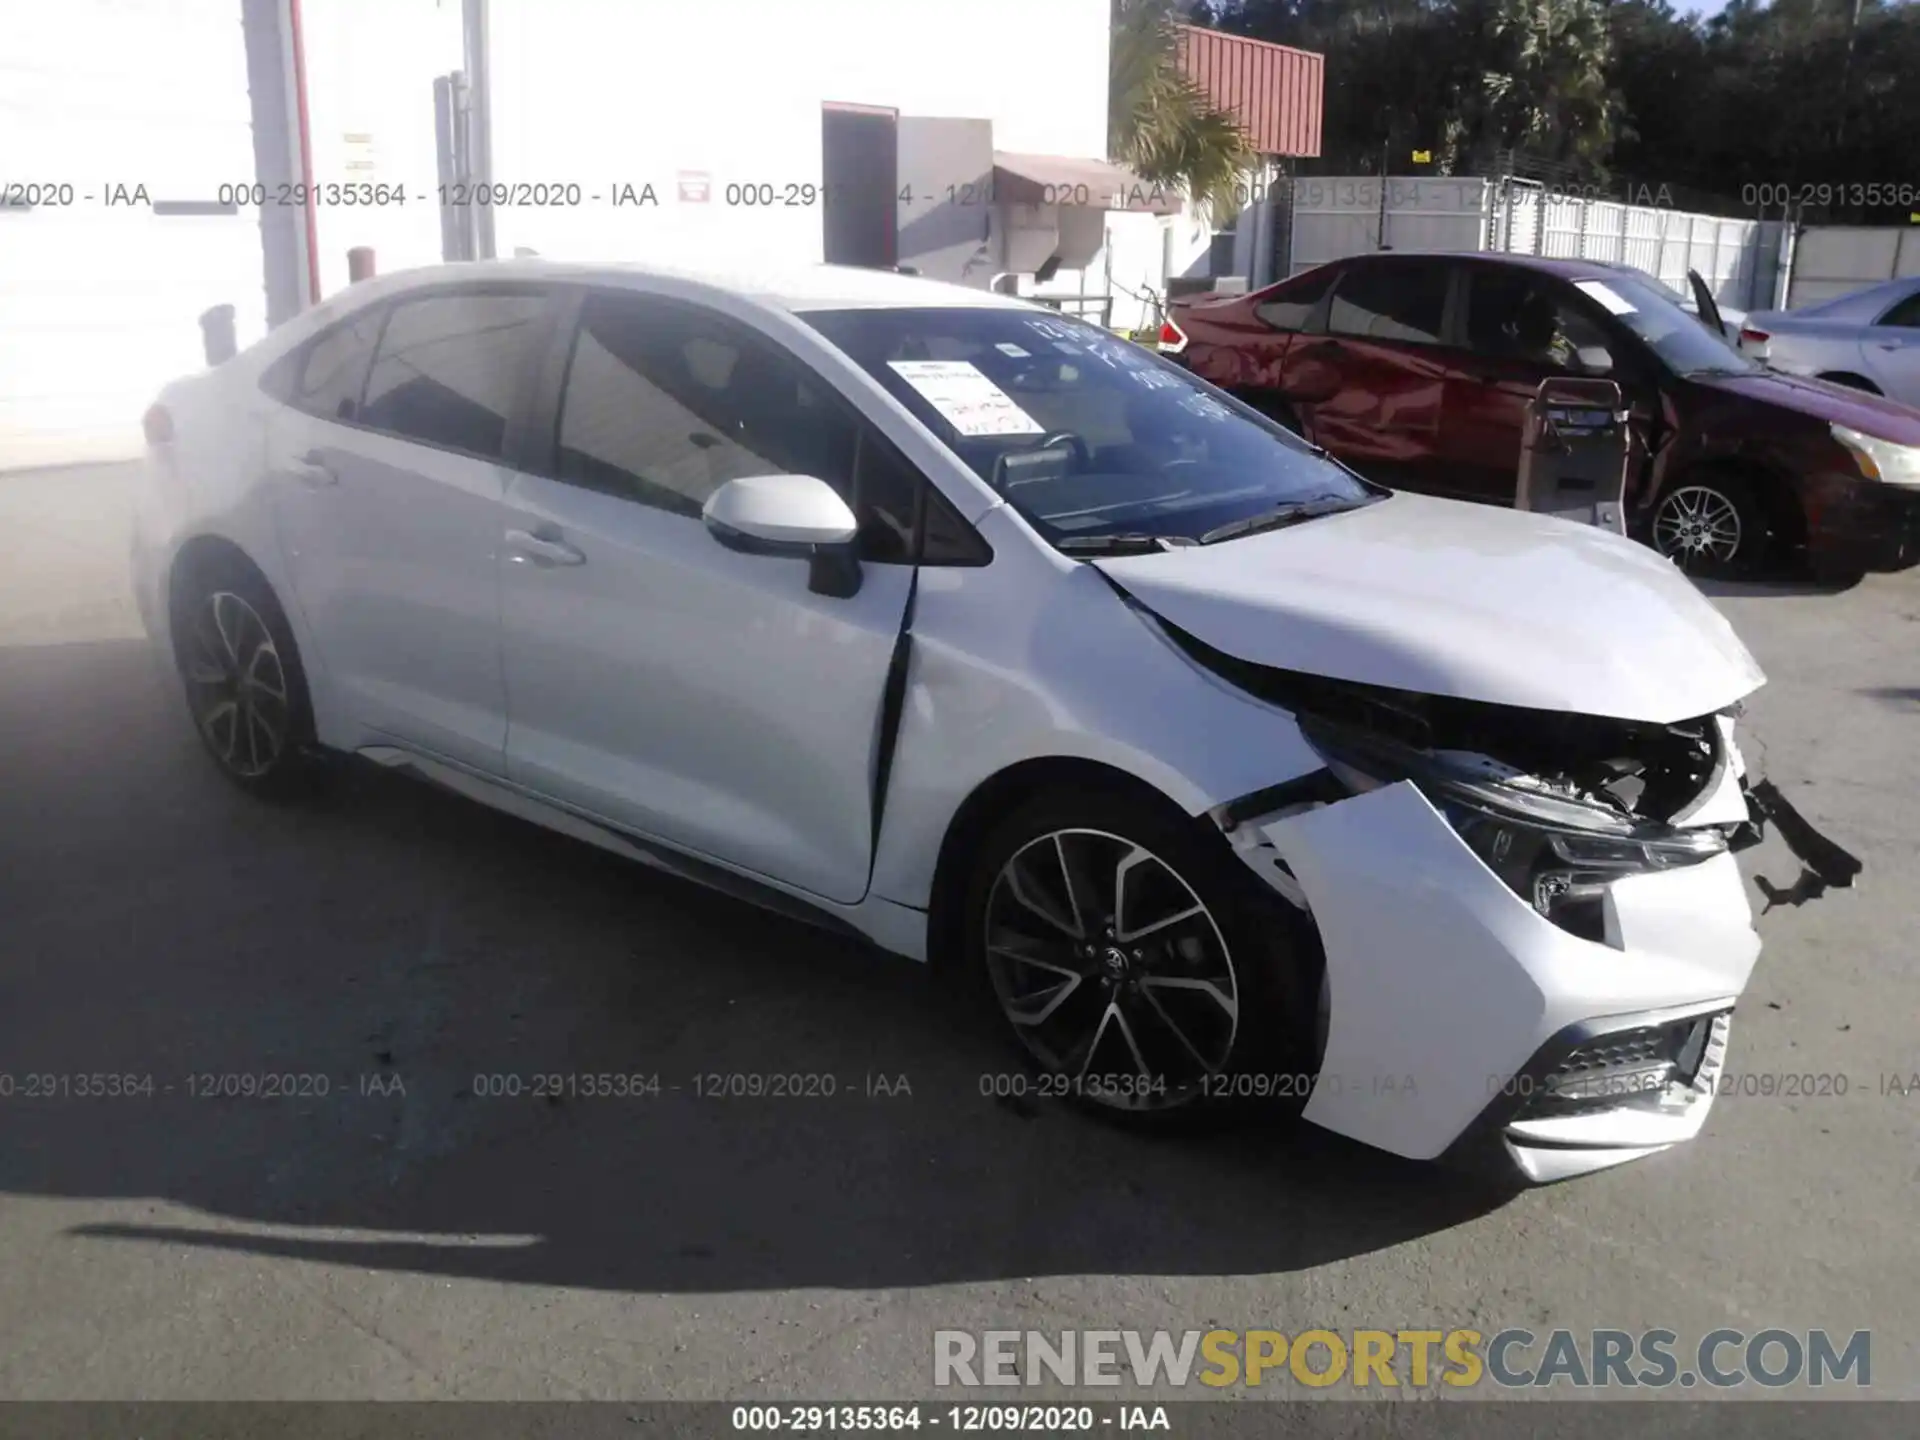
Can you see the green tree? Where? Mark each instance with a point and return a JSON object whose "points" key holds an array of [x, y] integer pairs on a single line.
{"points": [[1159, 121], [1544, 85]]}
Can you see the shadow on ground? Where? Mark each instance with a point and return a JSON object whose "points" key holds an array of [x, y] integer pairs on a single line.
{"points": [[1782, 586], [161, 926]]}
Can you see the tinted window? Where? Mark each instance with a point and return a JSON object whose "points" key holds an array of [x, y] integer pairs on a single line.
{"points": [[1136, 444], [327, 376], [1293, 304], [1514, 314], [449, 368], [1391, 302], [665, 403], [1907, 312]]}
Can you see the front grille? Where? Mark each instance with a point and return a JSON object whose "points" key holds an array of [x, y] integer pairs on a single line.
{"points": [[1625, 1065]]}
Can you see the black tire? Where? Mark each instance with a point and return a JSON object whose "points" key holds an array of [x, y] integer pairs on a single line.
{"points": [[1712, 523], [245, 688], [1262, 1058]]}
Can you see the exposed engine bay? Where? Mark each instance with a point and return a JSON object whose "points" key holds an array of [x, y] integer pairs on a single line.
{"points": [[1556, 802], [1639, 771]]}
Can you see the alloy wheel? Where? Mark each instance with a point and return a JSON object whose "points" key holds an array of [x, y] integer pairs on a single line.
{"points": [[1698, 523], [1113, 972], [236, 684]]}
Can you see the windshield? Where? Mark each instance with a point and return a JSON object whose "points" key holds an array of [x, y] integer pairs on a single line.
{"points": [[1091, 438], [1648, 309]]}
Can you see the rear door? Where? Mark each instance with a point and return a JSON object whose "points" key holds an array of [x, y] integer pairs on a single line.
{"points": [[1891, 348], [1241, 343], [1371, 388], [660, 681], [1520, 326], [389, 483]]}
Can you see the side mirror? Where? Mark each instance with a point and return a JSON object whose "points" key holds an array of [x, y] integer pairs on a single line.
{"points": [[1594, 360], [797, 516]]}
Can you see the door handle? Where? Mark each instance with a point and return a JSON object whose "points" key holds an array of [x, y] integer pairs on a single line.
{"points": [[313, 471], [543, 550]]}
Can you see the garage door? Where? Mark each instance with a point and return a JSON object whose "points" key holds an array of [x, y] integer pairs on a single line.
{"points": [[120, 121]]}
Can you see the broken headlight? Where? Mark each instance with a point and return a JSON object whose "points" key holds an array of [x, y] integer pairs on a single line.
{"points": [[1556, 850]]}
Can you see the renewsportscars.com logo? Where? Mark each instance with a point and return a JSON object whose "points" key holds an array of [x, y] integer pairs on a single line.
{"points": [[1390, 1359]]}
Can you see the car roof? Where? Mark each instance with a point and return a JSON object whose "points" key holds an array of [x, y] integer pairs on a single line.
{"points": [[1572, 269], [794, 288]]}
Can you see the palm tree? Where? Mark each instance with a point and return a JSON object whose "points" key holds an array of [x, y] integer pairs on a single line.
{"points": [[1159, 122]]}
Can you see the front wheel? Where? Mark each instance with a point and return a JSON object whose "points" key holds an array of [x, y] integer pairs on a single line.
{"points": [[1135, 970], [1711, 523]]}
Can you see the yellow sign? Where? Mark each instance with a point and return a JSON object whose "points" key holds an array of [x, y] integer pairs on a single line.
{"points": [[1423, 157]]}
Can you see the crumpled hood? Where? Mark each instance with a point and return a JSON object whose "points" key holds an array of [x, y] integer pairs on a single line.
{"points": [[1449, 598], [1824, 400]]}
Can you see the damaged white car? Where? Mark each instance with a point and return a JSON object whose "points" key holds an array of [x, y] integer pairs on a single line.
{"points": [[937, 617]]}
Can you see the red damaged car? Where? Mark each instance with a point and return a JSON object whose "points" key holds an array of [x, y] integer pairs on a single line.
{"points": [[1417, 369]]}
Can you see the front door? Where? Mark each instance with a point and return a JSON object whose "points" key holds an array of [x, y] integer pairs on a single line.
{"points": [[389, 482], [659, 680], [1891, 348], [1521, 327]]}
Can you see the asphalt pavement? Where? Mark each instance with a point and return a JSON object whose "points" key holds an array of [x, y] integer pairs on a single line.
{"points": [[400, 1215]]}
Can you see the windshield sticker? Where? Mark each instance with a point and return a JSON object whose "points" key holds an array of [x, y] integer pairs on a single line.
{"points": [[1616, 303], [965, 398], [1155, 379], [1012, 350], [1050, 329], [1206, 407]]}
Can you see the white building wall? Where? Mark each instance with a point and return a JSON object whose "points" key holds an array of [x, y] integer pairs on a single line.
{"points": [[107, 109], [605, 93]]}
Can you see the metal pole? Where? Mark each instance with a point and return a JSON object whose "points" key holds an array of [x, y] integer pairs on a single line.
{"points": [[479, 151]]}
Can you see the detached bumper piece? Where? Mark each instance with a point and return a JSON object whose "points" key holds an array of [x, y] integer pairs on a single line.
{"points": [[1598, 1094], [1823, 864]]}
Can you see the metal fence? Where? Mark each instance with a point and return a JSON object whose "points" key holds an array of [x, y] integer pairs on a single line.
{"points": [[1830, 260], [1333, 217]]}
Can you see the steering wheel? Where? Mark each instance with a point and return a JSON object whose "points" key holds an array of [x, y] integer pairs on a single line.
{"points": [[1083, 455]]}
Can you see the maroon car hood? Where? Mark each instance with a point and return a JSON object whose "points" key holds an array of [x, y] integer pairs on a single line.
{"points": [[1856, 409]]}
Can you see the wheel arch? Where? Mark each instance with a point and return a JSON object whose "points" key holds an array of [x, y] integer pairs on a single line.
{"points": [[1852, 379], [200, 555], [992, 800]]}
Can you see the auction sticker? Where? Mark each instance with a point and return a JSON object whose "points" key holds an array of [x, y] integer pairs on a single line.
{"points": [[1615, 302], [966, 398]]}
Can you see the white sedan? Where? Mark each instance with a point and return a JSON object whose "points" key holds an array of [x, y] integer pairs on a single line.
{"points": [[939, 618], [1868, 340]]}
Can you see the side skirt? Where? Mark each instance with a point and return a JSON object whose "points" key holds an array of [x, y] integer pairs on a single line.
{"points": [[891, 927]]}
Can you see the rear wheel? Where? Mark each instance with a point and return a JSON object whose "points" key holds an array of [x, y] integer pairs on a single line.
{"points": [[1711, 523], [1135, 970], [245, 689]]}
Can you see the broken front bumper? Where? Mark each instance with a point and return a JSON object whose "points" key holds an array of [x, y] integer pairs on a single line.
{"points": [[1463, 1025]]}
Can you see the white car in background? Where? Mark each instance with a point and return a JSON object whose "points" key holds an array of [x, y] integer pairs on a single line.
{"points": [[938, 618], [1869, 340]]}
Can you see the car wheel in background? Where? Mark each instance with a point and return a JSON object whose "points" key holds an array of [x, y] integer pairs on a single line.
{"points": [[1711, 522], [1135, 966], [246, 691]]}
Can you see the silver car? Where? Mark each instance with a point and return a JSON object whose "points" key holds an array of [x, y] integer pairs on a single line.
{"points": [[1869, 340]]}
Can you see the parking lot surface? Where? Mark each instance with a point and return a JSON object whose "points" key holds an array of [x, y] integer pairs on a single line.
{"points": [[407, 1220]]}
